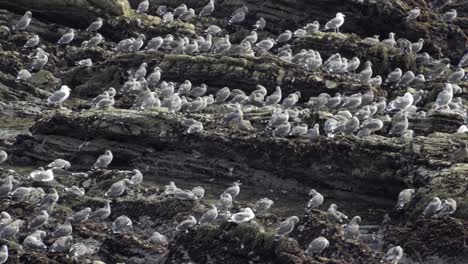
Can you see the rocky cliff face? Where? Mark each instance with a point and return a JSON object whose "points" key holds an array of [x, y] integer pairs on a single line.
{"points": [[370, 168]]}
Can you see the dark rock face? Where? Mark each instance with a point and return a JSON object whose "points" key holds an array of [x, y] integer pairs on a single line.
{"points": [[371, 168]]}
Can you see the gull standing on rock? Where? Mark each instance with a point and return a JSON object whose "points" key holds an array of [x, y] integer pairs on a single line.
{"points": [[209, 216], [260, 24], [137, 177], [352, 229], [10, 230], [287, 226], [59, 164], [316, 199], [42, 175], [284, 37], [404, 197], [208, 9], [444, 98], [317, 246], [95, 26], [102, 213], [62, 244], [23, 75], [335, 23], [335, 216], [242, 217], [32, 42], [81, 216], [23, 23], [233, 190], [158, 239], [432, 208], [238, 15], [3, 254], [143, 7], [118, 188], [59, 96], [413, 14], [64, 229], [67, 37], [120, 224], [6, 187], [39, 220], [34, 241], [365, 75], [449, 16], [262, 205], [456, 76], [393, 76], [393, 255], [3, 156], [187, 224], [103, 161], [448, 207]]}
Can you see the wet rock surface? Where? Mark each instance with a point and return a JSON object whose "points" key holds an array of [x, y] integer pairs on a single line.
{"points": [[371, 168]]}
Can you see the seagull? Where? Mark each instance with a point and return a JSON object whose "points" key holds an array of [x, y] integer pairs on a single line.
{"points": [[433, 207], [95, 26], [3, 254], [260, 24], [32, 42], [224, 202], [158, 239], [59, 164], [413, 14], [208, 9], [10, 230], [64, 229], [102, 213], [449, 16], [118, 188], [81, 216], [120, 224], [366, 73], [334, 215], [103, 161], [284, 37], [62, 244], [456, 76], [209, 216], [238, 15], [34, 241], [352, 229], [42, 175], [242, 217], [233, 190], [23, 23], [59, 96], [262, 205], [393, 255], [448, 207], [39, 220], [187, 224], [393, 76], [404, 197], [390, 42], [316, 199], [417, 46], [335, 23], [67, 37], [3, 156], [317, 246], [312, 27], [287, 226], [444, 97], [143, 7]]}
